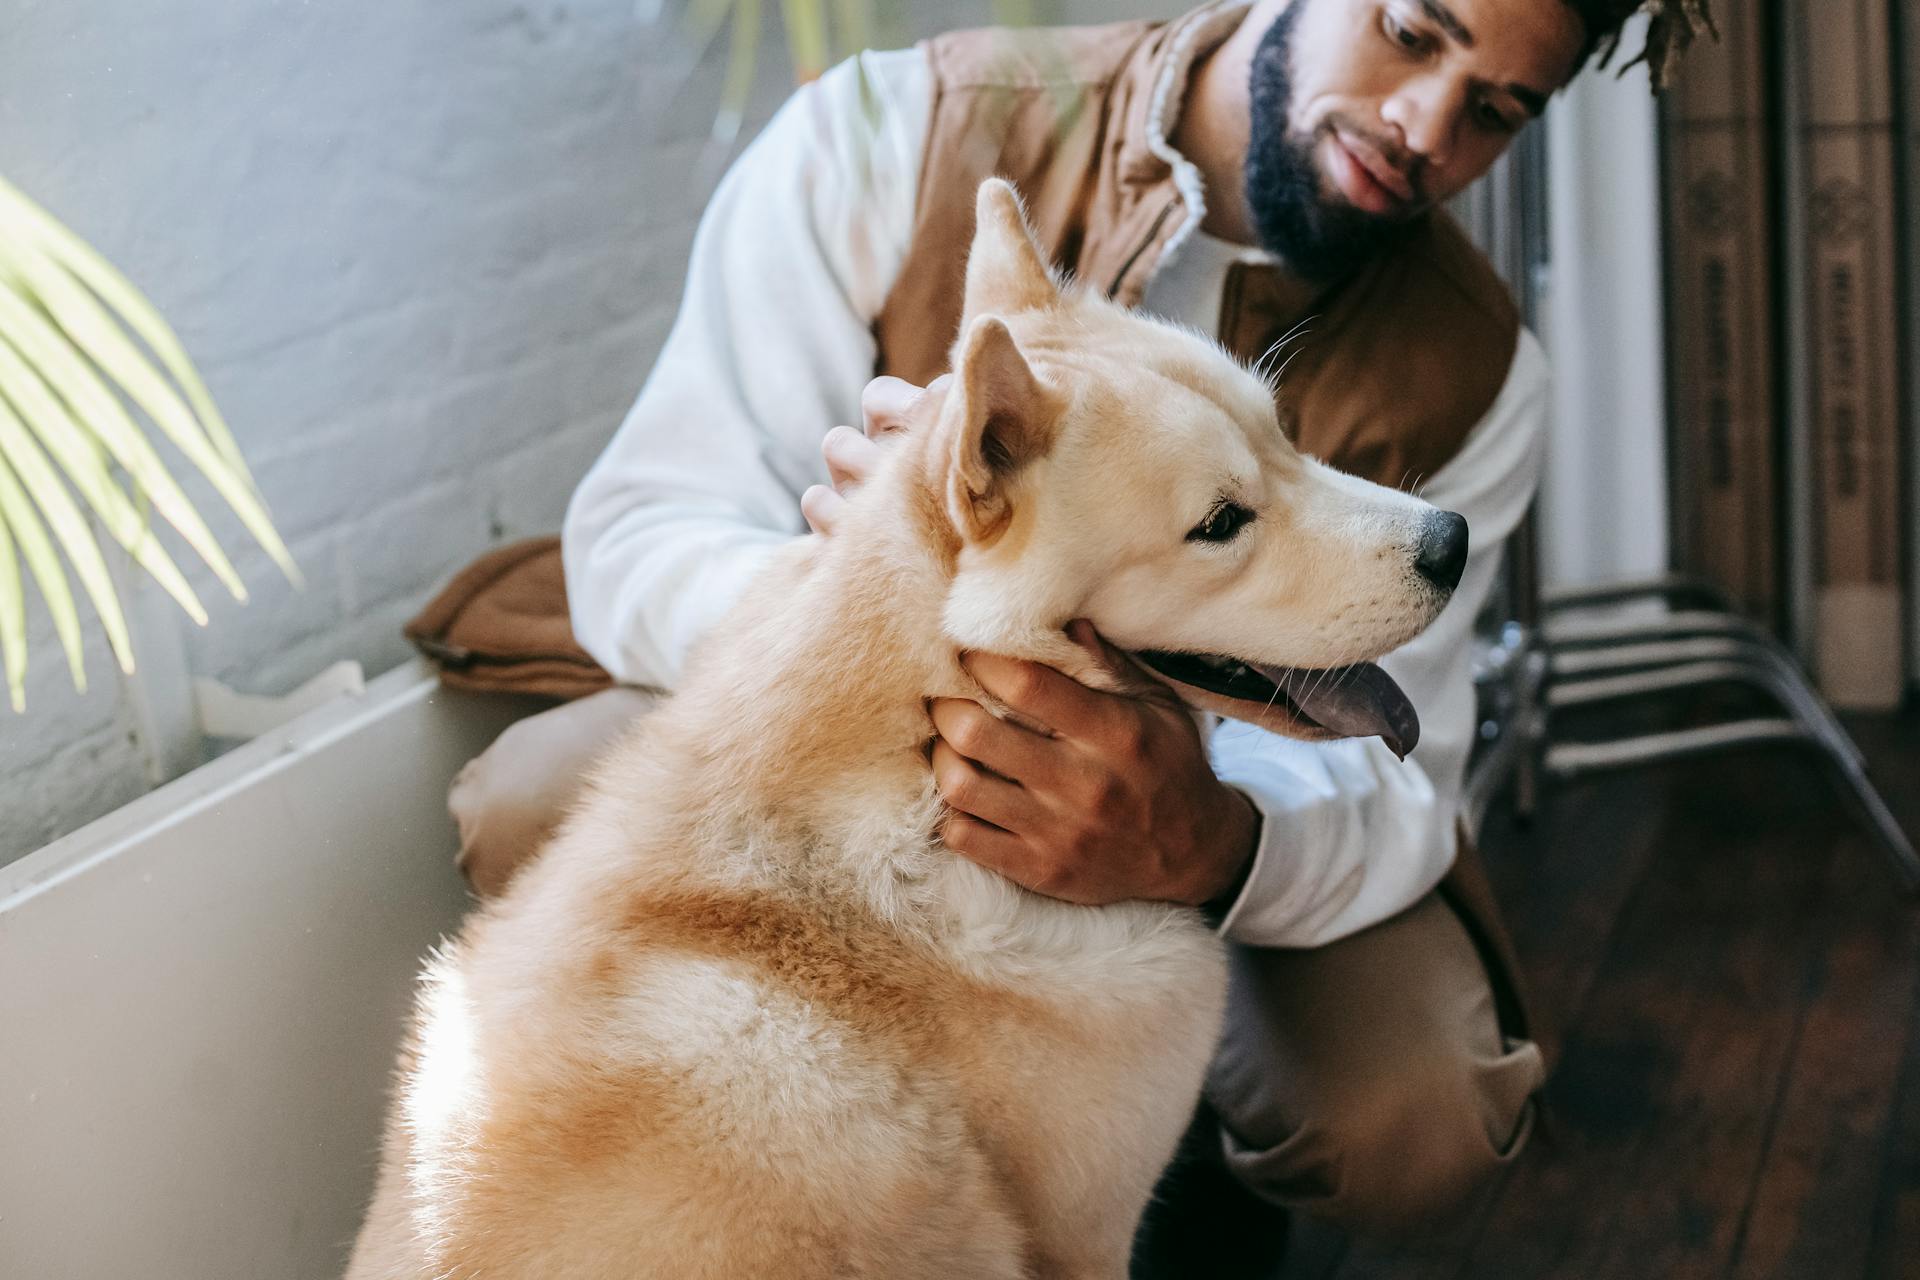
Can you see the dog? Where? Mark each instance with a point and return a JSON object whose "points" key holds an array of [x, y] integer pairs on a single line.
{"points": [[744, 1016]]}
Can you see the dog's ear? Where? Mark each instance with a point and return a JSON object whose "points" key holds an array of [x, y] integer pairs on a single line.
{"points": [[1000, 418], [1006, 272]]}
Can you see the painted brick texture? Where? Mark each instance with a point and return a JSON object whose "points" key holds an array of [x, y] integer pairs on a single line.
{"points": [[424, 255]]}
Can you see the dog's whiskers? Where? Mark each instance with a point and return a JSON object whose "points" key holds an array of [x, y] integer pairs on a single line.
{"points": [[1274, 698], [1282, 371], [1260, 366], [1319, 679]]}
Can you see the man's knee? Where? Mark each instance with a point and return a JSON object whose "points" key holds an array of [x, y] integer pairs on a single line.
{"points": [[1370, 1082], [1395, 1151], [507, 800], [1395, 1148]]}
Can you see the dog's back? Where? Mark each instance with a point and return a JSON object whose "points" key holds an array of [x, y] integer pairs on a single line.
{"points": [[653, 1059]]}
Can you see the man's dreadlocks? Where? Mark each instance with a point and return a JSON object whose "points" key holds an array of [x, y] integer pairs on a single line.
{"points": [[1672, 27]]}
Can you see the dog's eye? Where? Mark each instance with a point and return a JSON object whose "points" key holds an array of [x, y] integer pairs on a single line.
{"points": [[1221, 523]]}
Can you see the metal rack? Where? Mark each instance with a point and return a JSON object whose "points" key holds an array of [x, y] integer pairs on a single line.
{"points": [[1563, 650]]}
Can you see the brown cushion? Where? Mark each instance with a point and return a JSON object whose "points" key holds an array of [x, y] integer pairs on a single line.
{"points": [[502, 625]]}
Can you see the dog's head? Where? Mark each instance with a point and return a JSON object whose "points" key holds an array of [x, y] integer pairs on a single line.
{"points": [[1097, 463]]}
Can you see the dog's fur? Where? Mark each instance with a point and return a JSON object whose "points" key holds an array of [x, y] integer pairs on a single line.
{"points": [[745, 1016]]}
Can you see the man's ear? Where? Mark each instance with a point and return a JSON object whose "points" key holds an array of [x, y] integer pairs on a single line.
{"points": [[1003, 417], [1006, 272]]}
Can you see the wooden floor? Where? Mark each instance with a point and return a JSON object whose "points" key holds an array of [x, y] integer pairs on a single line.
{"points": [[1732, 979]]}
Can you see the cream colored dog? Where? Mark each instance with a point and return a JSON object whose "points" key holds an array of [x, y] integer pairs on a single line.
{"points": [[745, 1017]]}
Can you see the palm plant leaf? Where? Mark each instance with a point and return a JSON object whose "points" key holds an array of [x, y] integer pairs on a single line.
{"points": [[104, 279], [853, 21], [13, 622], [68, 328], [39, 341], [702, 22], [85, 464], [743, 59], [25, 472], [813, 41], [808, 39], [87, 324]]}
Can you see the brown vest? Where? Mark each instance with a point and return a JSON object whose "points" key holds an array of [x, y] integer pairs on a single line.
{"points": [[1400, 360]]}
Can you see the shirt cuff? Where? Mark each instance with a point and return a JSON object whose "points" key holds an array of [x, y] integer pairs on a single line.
{"points": [[1265, 892], [1328, 864]]}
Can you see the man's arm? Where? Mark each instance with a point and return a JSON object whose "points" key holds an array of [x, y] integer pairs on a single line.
{"points": [[795, 255], [1114, 797], [1350, 835]]}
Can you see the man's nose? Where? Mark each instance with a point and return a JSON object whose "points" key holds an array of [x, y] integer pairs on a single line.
{"points": [[1426, 110], [1442, 554]]}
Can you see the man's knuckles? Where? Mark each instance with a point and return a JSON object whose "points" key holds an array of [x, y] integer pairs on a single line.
{"points": [[1106, 797], [958, 782], [822, 508], [1024, 686], [965, 725], [1129, 741], [957, 832], [885, 403], [851, 457]]}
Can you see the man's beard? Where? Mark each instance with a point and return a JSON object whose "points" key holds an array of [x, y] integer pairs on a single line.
{"points": [[1321, 236]]}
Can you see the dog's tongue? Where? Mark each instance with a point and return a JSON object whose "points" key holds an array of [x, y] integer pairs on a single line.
{"points": [[1360, 701]]}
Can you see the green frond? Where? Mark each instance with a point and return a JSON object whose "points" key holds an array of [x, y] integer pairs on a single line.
{"points": [[21, 215], [90, 329], [76, 336], [808, 39], [27, 481], [13, 621], [85, 464]]}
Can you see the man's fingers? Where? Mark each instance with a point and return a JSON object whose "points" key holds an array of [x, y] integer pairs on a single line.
{"points": [[1039, 693], [1013, 752], [851, 457], [885, 403], [822, 507], [1120, 664], [1081, 632], [991, 847], [977, 793], [888, 404]]}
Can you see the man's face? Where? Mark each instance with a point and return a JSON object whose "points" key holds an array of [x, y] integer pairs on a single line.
{"points": [[1365, 113]]}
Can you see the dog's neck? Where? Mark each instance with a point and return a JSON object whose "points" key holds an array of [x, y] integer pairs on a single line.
{"points": [[795, 753], [814, 690]]}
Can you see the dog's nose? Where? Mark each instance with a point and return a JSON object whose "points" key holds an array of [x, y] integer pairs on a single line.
{"points": [[1443, 549]]}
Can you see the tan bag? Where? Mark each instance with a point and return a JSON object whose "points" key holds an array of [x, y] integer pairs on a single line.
{"points": [[502, 626]]}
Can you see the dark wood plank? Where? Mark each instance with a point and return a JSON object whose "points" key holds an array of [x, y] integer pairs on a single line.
{"points": [[1810, 1213], [1893, 745], [1812, 1208], [1894, 1251], [1740, 1090], [1671, 1076]]}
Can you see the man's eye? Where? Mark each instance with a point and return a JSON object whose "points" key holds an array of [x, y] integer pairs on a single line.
{"points": [[1221, 523], [1493, 118], [1401, 34]]}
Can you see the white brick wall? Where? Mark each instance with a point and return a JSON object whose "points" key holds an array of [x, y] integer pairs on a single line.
{"points": [[423, 254]]}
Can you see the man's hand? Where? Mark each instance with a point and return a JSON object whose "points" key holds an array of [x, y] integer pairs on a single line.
{"points": [[1115, 800], [885, 407]]}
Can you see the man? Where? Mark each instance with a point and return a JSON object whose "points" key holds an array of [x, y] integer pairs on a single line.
{"points": [[1267, 174]]}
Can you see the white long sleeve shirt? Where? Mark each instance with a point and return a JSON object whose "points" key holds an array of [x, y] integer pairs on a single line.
{"points": [[794, 257]]}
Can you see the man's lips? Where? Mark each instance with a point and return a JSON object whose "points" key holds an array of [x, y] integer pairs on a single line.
{"points": [[1367, 178]]}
